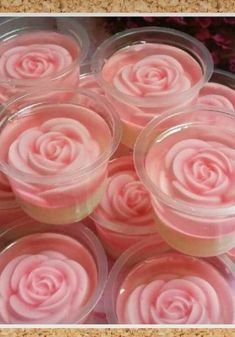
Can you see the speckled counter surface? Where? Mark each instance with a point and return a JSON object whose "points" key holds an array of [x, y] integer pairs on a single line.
{"points": [[174, 332], [216, 6]]}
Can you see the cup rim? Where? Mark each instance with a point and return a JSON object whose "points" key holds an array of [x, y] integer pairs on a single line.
{"points": [[174, 203], [115, 138], [151, 101], [122, 262], [226, 75], [92, 244], [82, 46]]}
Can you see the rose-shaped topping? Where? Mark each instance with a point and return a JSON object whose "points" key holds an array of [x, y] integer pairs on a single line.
{"points": [[58, 144], [151, 75], [174, 289], [126, 200], [218, 96], [42, 288], [146, 70], [34, 61], [216, 101], [187, 300], [197, 171]]}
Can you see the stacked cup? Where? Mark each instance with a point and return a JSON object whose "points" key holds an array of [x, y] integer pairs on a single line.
{"points": [[138, 147]]}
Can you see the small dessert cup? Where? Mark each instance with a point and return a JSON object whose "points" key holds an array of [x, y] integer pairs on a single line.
{"points": [[153, 284], [147, 71], [186, 159], [125, 214], [219, 92], [50, 275], [38, 52], [89, 82], [56, 152]]}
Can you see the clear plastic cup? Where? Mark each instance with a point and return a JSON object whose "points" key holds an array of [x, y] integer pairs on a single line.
{"points": [[124, 216], [89, 82], [153, 284], [9, 209], [38, 52], [219, 92], [147, 71], [50, 275], [186, 159], [60, 176]]}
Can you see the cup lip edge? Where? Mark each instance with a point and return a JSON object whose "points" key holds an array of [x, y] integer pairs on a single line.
{"points": [[173, 203], [208, 66], [115, 138], [82, 53], [122, 260], [92, 244]]}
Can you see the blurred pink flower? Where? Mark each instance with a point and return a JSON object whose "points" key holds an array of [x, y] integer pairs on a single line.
{"points": [[222, 40]]}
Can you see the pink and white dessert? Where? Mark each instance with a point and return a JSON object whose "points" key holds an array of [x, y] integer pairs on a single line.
{"points": [[9, 209], [175, 289], [189, 166], [144, 79], [125, 214], [152, 284], [56, 158], [38, 59], [46, 278]]}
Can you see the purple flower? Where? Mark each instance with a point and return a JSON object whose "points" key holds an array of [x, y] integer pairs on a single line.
{"points": [[222, 40]]}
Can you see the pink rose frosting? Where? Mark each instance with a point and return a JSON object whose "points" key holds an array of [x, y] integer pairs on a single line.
{"points": [[40, 55], [34, 61], [45, 278], [218, 96], [57, 142], [126, 200], [174, 289], [148, 71], [43, 288], [196, 171], [153, 74], [57, 145]]}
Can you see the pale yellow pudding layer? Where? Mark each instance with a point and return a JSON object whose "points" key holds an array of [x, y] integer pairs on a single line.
{"points": [[194, 245], [63, 215], [127, 332]]}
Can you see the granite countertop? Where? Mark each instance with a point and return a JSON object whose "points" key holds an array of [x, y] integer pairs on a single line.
{"points": [[104, 6], [153, 332]]}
